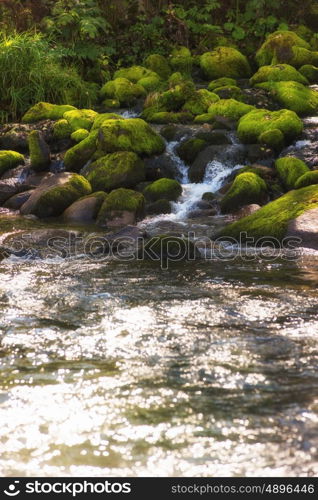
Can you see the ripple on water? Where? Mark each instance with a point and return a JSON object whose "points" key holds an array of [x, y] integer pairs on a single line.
{"points": [[204, 369]]}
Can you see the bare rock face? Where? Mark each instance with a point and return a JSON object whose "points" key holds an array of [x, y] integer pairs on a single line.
{"points": [[247, 210], [305, 227]]}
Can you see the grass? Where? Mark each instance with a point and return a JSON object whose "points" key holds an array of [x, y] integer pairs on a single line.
{"points": [[31, 71]]}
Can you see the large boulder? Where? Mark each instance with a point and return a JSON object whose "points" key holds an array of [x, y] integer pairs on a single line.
{"points": [[122, 169], [77, 156], [86, 209], [39, 151], [132, 134], [289, 170], [122, 90], [55, 194], [278, 73], [294, 96], [225, 108], [163, 189], [10, 159], [285, 47], [247, 188], [122, 207], [46, 111], [271, 222], [253, 124], [224, 62], [305, 229], [80, 118]]}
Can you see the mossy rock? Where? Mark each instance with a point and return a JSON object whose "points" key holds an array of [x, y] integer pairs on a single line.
{"points": [[159, 207], [10, 159], [271, 221], [56, 194], [307, 179], [289, 170], [61, 129], [224, 62], [247, 188], [134, 73], [166, 248], [227, 108], [253, 124], [181, 60], [221, 82], [150, 83], [304, 32], [200, 102], [122, 200], [122, 169], [310, 72], [285, 47], [175, 98], [216, 137], [188, 150], [169, 132], [278, 73], [163, 189], [123, 90], [177, 78], [77, 156], [163, 117], [80, 118], [79, 135], [274, 139], [158, 64], [103, 117], [39, 151], [293, 96], [46, 111], [132, 134], [86, 209], [230, 92]]}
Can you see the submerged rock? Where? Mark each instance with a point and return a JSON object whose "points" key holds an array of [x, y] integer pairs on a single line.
{"points": [[166, 248]]}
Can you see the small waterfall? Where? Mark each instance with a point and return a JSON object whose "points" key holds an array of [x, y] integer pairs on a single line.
{"points": [[216, 173], [128, 113]]}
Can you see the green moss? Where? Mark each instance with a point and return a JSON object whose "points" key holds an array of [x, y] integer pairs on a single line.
{"points": [[271, 221], [304, 32], [163, 117], [123, 169], [80, 118], [166, 247], [132, 134], [163, 189], [221, 82], [310, 72], [278, 73], [272, 138], [228, 108], [121, 200], [289, 170], [45, 111], [79, 135], [188, 150], [176, 97], [177, 79], [205, 118], [101, 118], [307, 179], [278, 46], [253, 124], [122, 90], [301, 56], [181, 60], [230, 92], [76, 157], [61, 129], [39, 151], [293, 96], [200, 102], [246, 188], [158, 64], [134, 73], [10, 159], [54, 201], [150, 83], [159, 207], [224, 62]]}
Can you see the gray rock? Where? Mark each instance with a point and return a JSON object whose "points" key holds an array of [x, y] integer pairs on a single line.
{"points": [[305, 227], [16, 201]]}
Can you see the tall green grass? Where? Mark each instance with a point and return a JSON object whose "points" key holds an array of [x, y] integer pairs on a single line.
{"points": [[31, 71]]}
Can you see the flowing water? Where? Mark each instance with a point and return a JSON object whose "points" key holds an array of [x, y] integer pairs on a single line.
{"points": [[207, 368]]}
